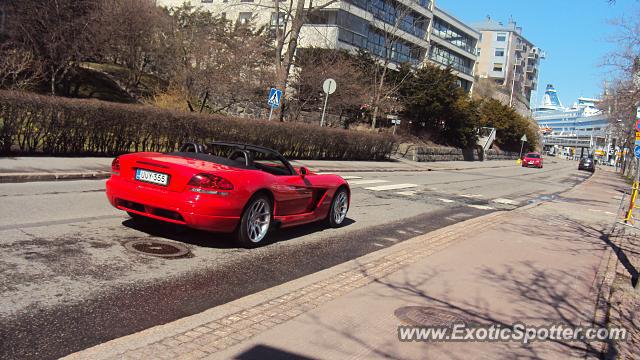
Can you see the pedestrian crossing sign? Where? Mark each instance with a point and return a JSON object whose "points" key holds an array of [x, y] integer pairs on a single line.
{"points": [[275, 96]]}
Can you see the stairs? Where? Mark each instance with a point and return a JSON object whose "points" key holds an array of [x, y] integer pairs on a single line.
{"points": [[486, 137]]}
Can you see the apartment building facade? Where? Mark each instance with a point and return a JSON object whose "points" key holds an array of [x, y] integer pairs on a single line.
{"points": [[400, 31], [506, 57]]}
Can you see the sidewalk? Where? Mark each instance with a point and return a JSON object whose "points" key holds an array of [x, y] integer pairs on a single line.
{"points": [[541, 264], [23, 169]]}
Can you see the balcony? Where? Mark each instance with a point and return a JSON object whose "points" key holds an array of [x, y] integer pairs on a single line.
{"points": [[531, 69], [521, 48], [518, 62]]}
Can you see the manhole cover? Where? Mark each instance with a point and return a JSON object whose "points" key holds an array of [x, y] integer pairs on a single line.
{"points": [[430, 316], [158, 248]]}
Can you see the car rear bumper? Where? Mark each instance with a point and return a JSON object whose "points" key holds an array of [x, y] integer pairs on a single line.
{"points": [[200, 211]]}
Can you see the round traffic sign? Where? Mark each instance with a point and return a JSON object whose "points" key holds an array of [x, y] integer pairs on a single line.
{"points": [[638, 125], [636, 151], [329, 86]]}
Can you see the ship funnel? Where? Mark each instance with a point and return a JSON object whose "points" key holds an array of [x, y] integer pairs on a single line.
{"points": [[551, 99]]}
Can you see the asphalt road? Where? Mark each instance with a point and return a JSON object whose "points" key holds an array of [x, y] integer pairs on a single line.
{"points": [[68, 282]]}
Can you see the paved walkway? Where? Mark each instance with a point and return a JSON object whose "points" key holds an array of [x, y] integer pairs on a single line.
{"points": [[540, 264], [20, 169]]}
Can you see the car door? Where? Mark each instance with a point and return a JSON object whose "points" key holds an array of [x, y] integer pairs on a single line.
{"points": [[292, 192], [295, 195]]}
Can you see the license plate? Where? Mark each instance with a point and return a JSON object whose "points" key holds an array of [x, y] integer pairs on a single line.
{"points": [[531, 162], [152, 177]]}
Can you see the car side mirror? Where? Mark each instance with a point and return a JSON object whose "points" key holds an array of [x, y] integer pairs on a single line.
{"points": [[304, 171]]}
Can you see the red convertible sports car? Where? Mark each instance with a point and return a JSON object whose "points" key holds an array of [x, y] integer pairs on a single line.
{"points": [[226, 187]]}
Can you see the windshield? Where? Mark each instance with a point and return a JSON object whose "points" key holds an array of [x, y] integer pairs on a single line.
{"points": [[533, 156]]}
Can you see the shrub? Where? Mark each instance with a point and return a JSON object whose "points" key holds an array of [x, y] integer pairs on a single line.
{"points": [[34, 124]]}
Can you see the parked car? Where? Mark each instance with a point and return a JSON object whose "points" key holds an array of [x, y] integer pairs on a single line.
{"points": [[532, 159], [587, 164], [226, 187]]}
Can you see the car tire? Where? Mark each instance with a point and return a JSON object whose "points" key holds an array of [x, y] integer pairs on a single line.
{"points": [[339, 208], [255, 222]]}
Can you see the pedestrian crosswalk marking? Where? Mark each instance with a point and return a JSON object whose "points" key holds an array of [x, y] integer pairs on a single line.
{"points": [[350, 177], [390, 239], [366, 182], [505, 201], [446, 201], [392, 187], [480, 207], [407, 193]]}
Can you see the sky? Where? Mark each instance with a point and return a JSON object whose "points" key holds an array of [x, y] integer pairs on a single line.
{"points": [[576, 35]]}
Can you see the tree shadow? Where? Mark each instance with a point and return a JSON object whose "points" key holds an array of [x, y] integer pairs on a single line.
{"points": [[535, 296]]}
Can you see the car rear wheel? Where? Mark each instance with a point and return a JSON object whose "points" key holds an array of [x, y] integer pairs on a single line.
{"points": [[255, 222], [339, 208]]}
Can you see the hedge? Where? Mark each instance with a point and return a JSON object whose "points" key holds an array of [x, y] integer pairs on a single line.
{"points": [[35, 124]]}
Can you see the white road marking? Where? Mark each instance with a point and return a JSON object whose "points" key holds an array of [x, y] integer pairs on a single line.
{"points": [[392, 187], [505, 201], [595, 210], [378, 245], [446, 201], [365, 182], [480, 207], [325, 173], [609, 213], [471, 196], [350, 177], [390, 239], [401, 231], [407, 193]]}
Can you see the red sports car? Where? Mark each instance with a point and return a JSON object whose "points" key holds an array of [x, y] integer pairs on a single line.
{"points": [[226, 187], [532, 159]]}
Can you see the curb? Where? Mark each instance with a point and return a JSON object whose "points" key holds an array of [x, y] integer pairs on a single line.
{"points": [[34, 177], [99, 175]]}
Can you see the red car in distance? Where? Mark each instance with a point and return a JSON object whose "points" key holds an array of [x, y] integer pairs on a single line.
{"points": [[226, 187], [532, 159]]}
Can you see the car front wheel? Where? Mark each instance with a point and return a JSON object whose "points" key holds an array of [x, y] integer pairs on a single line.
{"points": [[339, 208], [255, 222]]}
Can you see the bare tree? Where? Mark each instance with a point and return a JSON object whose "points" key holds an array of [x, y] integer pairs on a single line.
{"points": [[316, 65], [622, 100], [56, 32], [228, 60], [131, 33], [19, 69], [387, 52]]}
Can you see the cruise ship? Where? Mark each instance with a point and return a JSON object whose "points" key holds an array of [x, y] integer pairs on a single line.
{"points": [[579, 127]]}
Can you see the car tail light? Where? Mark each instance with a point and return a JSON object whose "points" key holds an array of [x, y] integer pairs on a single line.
{"points": [[115, 166], [207, 183]]}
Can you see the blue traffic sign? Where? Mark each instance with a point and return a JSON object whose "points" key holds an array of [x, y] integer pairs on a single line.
{"points": [[275, 96], [636, 151]]}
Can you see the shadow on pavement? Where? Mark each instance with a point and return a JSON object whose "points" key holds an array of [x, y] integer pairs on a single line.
{"points": [[219, 240], [261, 352]]}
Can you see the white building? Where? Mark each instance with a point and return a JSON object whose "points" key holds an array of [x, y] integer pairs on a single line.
{"points": [[424, 33]]}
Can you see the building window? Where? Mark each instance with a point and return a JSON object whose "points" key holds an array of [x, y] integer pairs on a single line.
{"points": [[281, 21], [502, 37], [244, 17], [497, 67], [207, 1], [453, 35], [478, 51], [499, 52], [447, 57]]}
